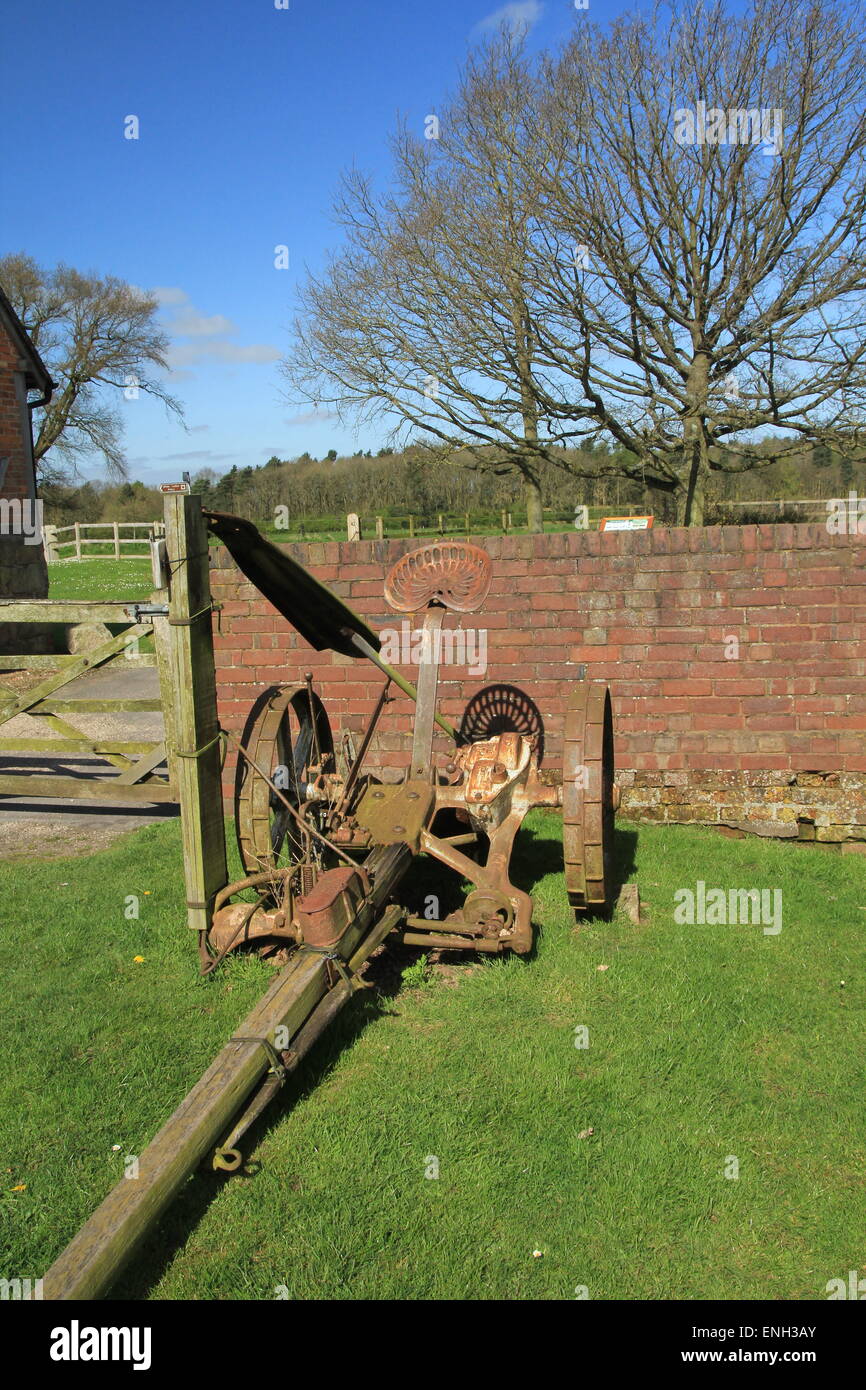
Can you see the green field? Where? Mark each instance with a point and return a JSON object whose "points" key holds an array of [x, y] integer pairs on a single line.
{"points": [[96, 581], [705, 1043]]}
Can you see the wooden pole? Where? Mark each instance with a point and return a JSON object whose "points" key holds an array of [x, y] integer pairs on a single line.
{"points": [[77, 540], [117, 540], [91, 1262], [192, 727]]}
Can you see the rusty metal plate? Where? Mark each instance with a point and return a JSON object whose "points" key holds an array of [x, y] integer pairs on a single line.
{"points": [[395, 814], [323, 914], [453, 573], [588, 798]]}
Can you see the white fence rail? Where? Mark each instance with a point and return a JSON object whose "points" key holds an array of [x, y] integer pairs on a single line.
{"points": [[115, 545]]}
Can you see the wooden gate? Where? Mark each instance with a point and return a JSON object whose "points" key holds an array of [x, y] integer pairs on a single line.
{"points": [[178, 617]]}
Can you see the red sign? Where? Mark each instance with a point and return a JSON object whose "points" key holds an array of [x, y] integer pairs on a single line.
{"points": [[174, 487]]}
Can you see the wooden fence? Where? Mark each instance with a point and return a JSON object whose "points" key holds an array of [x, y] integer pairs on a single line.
{"points": [[113, 546]]}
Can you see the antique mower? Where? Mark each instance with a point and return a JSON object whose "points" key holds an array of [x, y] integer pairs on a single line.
{"points": [[325, 847]]}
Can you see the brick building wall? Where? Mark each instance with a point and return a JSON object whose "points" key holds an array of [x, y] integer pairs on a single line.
{"points": [[735, 657], [23, 572]]}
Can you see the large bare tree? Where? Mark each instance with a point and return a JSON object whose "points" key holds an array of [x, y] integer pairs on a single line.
{"points": [[423, 318], [716, 198], [93, 332]]}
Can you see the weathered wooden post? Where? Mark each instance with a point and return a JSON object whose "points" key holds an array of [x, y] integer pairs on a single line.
{"points": [[184, 645], [117, 540], [49, 540], [353, 526], [77, 540], [380, 528]]}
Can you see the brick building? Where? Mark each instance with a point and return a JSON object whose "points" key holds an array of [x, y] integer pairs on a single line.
{"points": [[23, 572]]}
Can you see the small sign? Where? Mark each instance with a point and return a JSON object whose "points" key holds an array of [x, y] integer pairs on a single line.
{"points": [[625, 523], [174, 487]]}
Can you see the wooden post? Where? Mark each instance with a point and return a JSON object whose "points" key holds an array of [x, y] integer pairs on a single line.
{"points": [[49, 537], [411, 527], [353, 526], [468, 527], [441, 524], [117, 540], [190, 706], [380, 528], [504, 523], [78, 540]]}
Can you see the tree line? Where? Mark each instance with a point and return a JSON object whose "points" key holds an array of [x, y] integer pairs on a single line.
{"points": [[410, 483]]}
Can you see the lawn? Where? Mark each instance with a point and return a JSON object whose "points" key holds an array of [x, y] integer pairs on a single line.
{"points": [[706, 1044], [93, 581]]}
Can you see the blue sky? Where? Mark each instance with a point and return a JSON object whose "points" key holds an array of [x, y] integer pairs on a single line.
{"points": [[247, 115]]}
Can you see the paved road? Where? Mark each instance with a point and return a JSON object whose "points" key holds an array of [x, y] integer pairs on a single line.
{"points": [[48, 828]]}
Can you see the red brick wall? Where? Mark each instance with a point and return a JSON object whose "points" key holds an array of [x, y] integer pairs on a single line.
{"points": [[23, 572], [775, 735], [12, 444]]}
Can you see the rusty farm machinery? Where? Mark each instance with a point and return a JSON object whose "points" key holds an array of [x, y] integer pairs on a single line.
{"points": [[326, 846]]}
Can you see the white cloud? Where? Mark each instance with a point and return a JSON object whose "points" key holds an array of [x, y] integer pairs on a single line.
{"points": [[170, 295], [189, 323], [519, 14], [186, 321], [311, 417], [216, 350]]}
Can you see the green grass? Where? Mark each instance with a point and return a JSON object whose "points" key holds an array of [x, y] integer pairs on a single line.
{"points": [[704, 1042], [117, 581]]}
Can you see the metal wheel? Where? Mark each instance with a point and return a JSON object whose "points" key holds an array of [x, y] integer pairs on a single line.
{"points": [[288, 736], [589, 798]]}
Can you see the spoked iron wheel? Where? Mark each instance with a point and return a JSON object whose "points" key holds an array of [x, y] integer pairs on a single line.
{"points": [[589, 799], [288, 737]]}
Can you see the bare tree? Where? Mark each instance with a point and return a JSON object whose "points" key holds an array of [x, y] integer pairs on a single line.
{"points": [[699, 268], [424, 317], [92, 332]]}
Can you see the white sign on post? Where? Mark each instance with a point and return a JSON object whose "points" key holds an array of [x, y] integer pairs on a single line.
{"points": [[625, 523]]}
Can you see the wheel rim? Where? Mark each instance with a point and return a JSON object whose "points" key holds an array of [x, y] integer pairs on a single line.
{"points": [[587, 798]]}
